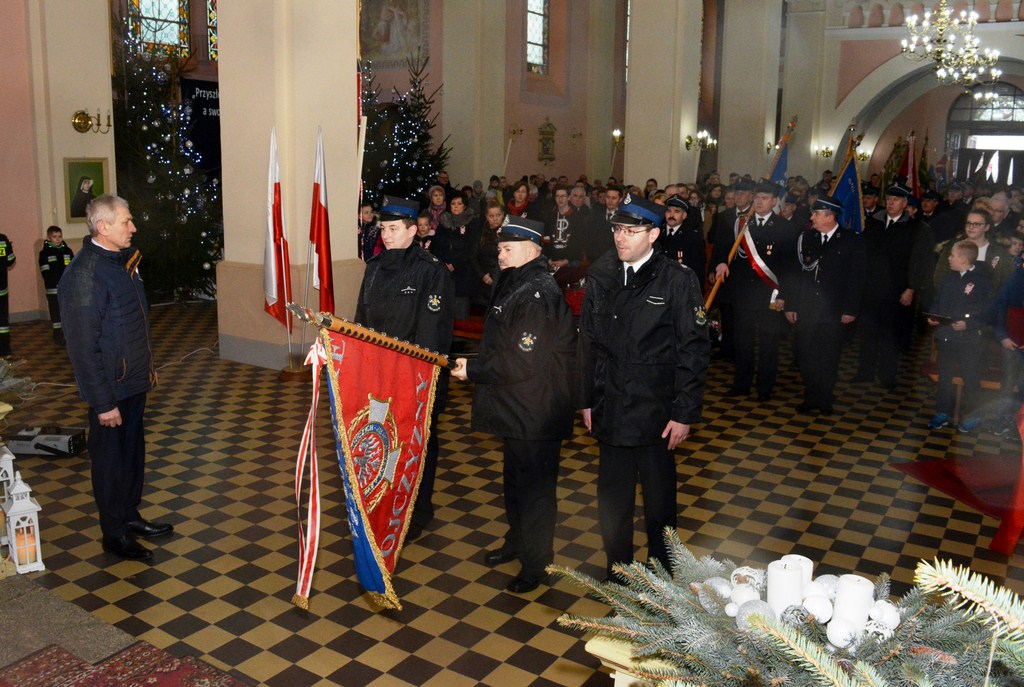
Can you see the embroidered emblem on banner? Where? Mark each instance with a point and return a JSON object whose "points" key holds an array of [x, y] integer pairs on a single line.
{"points": [[700, 315], [527, 341], [375, 450], [433, 302]]}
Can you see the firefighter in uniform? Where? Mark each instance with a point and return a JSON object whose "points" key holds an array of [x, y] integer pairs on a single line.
{"points": [[408, 293], [6, 260], [644, 351], [53, 258], [524, 394]]}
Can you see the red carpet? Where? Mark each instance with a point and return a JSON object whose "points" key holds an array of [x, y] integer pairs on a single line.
{"points": [[985, 483], [138, 665]]}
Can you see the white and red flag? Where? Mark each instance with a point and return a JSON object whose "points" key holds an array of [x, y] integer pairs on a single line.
{"points": [[277, 277], [320, 233]]}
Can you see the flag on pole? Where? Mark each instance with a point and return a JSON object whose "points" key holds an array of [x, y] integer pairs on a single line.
{"points": [[925, 172], [1009, 174], [320, 233], [382, 394], [847, 192], [981, 163], [781, 171], [277, 276]]}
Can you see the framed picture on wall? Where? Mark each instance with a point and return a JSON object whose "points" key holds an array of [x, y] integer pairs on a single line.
{"points": [[84, 179], [392, 30]]}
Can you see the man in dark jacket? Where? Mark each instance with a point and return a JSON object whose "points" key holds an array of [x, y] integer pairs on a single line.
{"points": [[644, 350], [524, 394], [408, 293], [824, 301], [103, 305]]}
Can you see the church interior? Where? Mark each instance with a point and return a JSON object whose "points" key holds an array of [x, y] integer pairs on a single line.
{"points": [[757, 480]]}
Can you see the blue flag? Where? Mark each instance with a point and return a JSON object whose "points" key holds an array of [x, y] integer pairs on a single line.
{"points": [[781, 167], [847, 194]]}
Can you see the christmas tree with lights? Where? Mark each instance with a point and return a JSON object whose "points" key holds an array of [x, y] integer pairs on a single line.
{"points": [[400, 158], [175, 203]]}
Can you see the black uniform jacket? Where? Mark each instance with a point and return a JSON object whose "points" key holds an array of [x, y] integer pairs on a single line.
{"points": [[685, 245], [525, 372], [966, 297], [895, 261], [831, 281], [644, 350], [776, 244], [407, 293]]}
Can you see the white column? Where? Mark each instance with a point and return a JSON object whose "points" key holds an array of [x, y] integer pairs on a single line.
{"points": [[663, 91], [600, 87], [291, 65], [802, 84]]}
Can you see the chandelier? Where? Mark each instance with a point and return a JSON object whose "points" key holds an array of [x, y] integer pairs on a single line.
{"points": [[948, 40]]}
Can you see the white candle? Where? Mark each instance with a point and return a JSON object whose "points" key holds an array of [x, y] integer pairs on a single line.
{"points": [[804, 562], [785, 585], [854, 597]]}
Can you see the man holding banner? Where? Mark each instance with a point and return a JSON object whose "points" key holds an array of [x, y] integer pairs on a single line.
{"points": [[524, 378], [754, 286], [407, 294]]}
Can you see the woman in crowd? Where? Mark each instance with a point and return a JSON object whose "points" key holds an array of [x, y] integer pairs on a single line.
{"points": [[484, 259], [991, 256], [458, 237], [436, 206], [519, 203]]}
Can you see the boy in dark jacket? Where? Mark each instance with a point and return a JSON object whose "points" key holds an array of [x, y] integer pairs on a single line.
{"points": [[54, 257]]}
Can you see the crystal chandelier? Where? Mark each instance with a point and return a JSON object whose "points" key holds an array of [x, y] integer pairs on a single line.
{"points": [[948, 40]]}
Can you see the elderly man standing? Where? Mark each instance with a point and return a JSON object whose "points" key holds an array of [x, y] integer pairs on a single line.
{"points": [[644, 351], [524, 394], [103, 306]]}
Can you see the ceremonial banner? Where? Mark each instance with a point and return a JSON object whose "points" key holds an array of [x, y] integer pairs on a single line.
{"points": [[847, 192], [381, 402], [277, 277], [321, 266]]}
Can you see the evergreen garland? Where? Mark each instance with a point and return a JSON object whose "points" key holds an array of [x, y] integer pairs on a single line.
{"points": [[679, 617], [176, 206], [399, 158]]}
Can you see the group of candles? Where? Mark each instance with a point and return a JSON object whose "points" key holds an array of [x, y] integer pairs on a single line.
{"points": [[846, 603]]}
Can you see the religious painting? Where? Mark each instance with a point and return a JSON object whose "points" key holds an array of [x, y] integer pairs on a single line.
{"points": [[546, 137], [84, 179], [391, 30]]}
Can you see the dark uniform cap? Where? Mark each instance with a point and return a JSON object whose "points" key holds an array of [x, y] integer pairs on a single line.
{"points": [[767, 187], [638, 211], [743, 185], [898, 191], [677, 201], [521, 229], [791, 198], [956, 186], [827, 203], [869, 190], [931, 195], [398, 208]]}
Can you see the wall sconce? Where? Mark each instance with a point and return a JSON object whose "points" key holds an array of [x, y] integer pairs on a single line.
{"points": [[617, 142], [825, 152], [82, 122], [514, 133], [862, 156], [702, 139]]}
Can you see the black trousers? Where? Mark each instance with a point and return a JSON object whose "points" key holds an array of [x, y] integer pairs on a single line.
{"points": [[757, 329], [118, 457], [820, 345], [530, 474], [619, 468], [5, 322], [54, 305], [881, 326], [964, 357], [423, 510]]}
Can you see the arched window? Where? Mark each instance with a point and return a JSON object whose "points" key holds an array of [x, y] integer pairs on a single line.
{"points": [[537, 36], [987, 119], [161, 24]]}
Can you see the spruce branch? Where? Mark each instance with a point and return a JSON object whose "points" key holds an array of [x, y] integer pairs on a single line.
{"points": [[991, 605], [812, 657]]}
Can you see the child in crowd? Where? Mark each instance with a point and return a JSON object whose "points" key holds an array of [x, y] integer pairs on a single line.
{"points": [[959, 313], [369, 243], [53, 258], [424, 234]]}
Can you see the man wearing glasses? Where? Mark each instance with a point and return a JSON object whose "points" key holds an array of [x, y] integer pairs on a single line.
{"points": [[644, 351]]}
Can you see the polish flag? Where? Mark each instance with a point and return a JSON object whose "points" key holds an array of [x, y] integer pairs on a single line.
{"points": [[320, 233], [277, 277]]}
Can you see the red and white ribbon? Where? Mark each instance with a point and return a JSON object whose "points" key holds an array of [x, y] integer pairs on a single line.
{"points": [[758, 263], [309, 537]]}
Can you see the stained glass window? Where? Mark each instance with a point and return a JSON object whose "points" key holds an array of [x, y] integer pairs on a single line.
{"points": [[537, 36], [161, 24], [211, 27]]}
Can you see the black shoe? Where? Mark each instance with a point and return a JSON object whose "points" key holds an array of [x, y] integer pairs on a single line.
{"points": [[888, 385], [58, 337], [734, 392], [522, 584], [805, 408], [499, 556], [826, 410], [413, 533], [127, 548], [145, 528], [764, 398], [861, 378]]}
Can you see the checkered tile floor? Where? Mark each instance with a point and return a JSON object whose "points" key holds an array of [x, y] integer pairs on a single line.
{"points": [[756, 481]]}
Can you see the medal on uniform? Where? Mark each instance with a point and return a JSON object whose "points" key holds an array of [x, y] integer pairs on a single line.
{"points": [[768, 249]]}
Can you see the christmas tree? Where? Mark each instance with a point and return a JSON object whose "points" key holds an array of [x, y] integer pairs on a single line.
{"points": [[176, 205], [399, 158]]}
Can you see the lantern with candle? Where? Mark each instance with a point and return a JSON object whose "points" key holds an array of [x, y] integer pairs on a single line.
{"points": [[22, 512], [6, 479]]}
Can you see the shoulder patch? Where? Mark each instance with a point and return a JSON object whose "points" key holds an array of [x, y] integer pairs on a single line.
{"points": [[527, 342], [434, 302], [700, 315]]}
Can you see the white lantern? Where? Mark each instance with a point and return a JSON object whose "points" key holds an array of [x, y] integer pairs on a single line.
{"points": [[6, 479], [22, 513]]}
